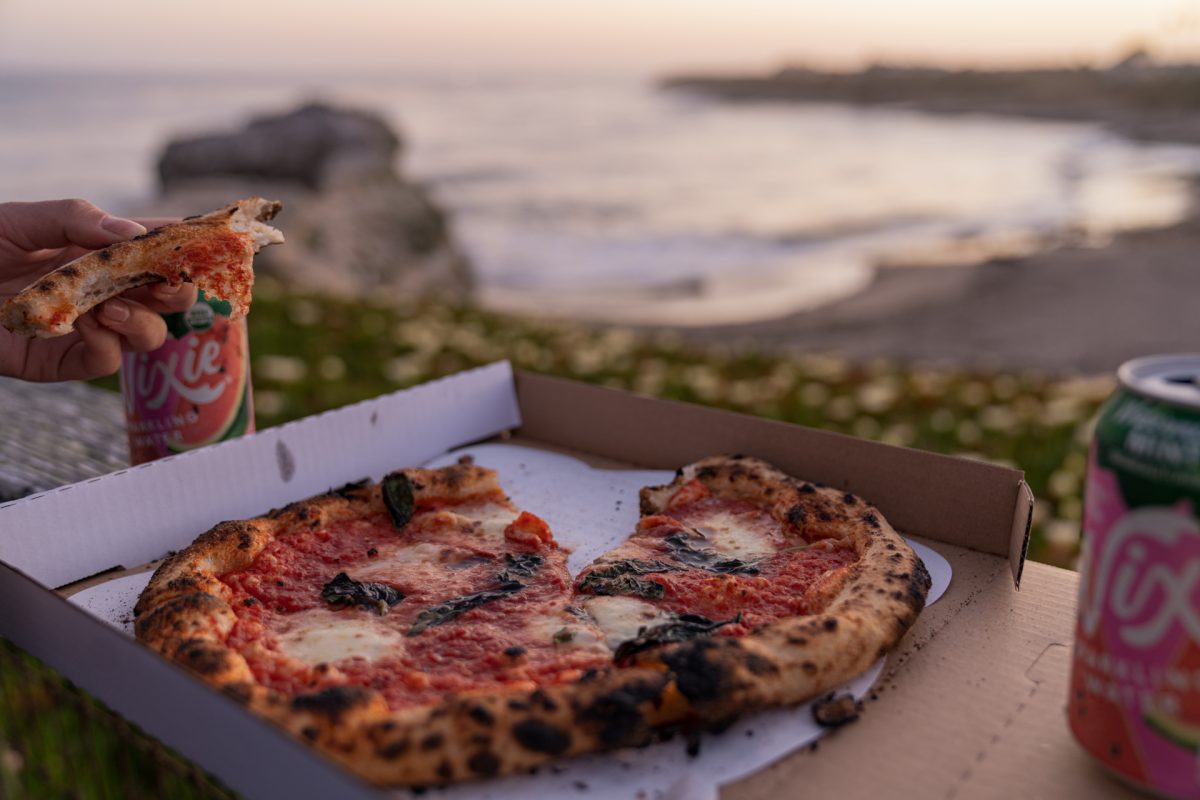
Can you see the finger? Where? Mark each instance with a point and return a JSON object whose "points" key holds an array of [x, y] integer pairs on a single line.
{"points": [[95, 354], [140, 328], [60, 223], [164, 298]]}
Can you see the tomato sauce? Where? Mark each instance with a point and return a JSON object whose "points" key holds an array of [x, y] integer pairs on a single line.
{"points": [[781, 579], [486, 646]]}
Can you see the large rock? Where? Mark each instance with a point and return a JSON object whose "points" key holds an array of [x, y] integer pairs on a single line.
{"points": [[315, 145], [353, 224]]}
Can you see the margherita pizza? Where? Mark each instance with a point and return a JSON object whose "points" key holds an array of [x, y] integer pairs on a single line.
{"points": [[213, 251], [424, 630]]}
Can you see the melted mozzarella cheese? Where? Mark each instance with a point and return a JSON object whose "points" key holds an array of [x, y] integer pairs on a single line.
{"points": [[485, 520], [423, 564], [620, 617], [735, 536], [562, 629], [323, 637]]}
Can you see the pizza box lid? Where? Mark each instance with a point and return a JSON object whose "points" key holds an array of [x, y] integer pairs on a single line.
{"points": [[977, 513]]}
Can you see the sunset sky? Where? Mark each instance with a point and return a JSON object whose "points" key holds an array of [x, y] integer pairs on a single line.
{"points": [[635, 36]]}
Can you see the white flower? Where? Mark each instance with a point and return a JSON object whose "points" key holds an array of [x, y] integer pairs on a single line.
{"points": [[281, 369]]}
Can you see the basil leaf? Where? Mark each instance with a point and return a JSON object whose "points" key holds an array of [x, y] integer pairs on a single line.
{"points": [[523, 566], [706, 559], [398, 497], [681, 629], [345, 591], [621, 584], [444, 612], [631, 566]]}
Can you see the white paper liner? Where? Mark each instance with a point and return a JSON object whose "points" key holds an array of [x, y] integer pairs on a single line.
{"points": [[590, 511]]}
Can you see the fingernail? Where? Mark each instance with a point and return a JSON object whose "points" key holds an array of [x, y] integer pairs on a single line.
{"points": [[122, 227], [116, 311]]}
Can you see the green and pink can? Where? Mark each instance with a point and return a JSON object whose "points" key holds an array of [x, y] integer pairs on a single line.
{"points": [[1135, 682], [192, 391]]}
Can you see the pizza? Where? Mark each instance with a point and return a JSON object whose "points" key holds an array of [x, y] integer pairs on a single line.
{"points": [[423, 630], [213, 251]]}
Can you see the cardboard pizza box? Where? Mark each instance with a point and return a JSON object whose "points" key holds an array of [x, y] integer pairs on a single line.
{"points": [[970, 704]]}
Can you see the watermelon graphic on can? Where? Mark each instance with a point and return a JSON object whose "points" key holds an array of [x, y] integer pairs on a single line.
{"points": [[192, 391]]}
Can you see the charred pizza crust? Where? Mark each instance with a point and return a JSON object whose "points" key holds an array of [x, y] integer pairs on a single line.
{"points": [[185, 614], [214, 251], [867, 607], [704, 683]]}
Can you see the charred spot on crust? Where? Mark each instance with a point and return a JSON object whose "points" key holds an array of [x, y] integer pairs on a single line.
{"points": [[615, 716], [807, 488], [809, 668], [186, 612], [824, 516], [516, 651], [352, 490], [238, 692], [331, 702], [244, 541], [758, 665], [484, 764], [830, 624], [481, 715], [849, 499], [309, 732], [544, 700], [192, 217], [542, 737], [71, 271], [432, 742], [395, 749], [871, 520], [698, 676], [707, 473], [444, 771], [45, 286], [796, 515], [519, 705], [202, 656]]}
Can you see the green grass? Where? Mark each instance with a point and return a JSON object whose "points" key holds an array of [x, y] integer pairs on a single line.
{"points": [[311, 354]]}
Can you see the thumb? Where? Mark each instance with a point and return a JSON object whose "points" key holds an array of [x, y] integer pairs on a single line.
{"points": [[59, 223]]}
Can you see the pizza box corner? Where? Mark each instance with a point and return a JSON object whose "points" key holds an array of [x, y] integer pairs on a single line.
{"points": [[976, 515]]}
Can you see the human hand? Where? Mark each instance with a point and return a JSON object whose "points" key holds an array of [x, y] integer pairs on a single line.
{"points": [[38, 237]]}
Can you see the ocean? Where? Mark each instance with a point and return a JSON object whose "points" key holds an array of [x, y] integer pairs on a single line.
{"points": [[611, 199]]}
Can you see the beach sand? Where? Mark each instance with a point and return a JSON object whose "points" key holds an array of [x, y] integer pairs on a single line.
{"points": [[1072, 310]]}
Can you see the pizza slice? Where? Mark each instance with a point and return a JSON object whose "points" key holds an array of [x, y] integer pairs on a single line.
{"points": [[420, 630], [214, 251], [753, 588]]}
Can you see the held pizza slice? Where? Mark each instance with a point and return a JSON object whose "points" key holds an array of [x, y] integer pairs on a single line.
{"points": [[215, 251]]}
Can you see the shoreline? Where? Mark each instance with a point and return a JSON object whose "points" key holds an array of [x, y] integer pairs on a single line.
{"points": [[1065, 311]]}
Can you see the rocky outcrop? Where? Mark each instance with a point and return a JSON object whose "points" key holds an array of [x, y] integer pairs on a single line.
{"points": [[353, 224]]}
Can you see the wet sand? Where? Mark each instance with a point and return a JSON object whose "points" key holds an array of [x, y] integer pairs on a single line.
{"points": [[1066, 311]]}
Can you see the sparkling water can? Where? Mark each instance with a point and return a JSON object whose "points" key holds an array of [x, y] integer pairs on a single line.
{"points": [[1134, 700], [192, 391]]}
